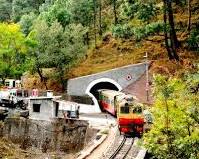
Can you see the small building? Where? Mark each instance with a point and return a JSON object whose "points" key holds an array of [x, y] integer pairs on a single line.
{"points": [[12, 83], [43, 107]]}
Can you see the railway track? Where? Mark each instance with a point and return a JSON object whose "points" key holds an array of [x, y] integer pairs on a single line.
{"points": [[121, 152]]}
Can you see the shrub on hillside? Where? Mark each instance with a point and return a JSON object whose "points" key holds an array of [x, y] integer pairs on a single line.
{"points": [[139, 33], [150, 29], [141, 10], [146, 11], [122, 31], [193, 40]]}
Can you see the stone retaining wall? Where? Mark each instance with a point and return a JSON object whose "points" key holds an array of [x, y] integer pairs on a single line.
{"points": [[64, 135]]}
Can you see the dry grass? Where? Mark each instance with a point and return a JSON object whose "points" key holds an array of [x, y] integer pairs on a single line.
{"points": [[119, 53], [116, 53], [112, 53], [8, 150]]}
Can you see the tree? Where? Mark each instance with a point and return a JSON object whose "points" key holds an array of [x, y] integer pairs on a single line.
{"points": [[173, 36], [114, 2], [171, 40], [26, 22], [13, 51], [94, 20], [83, 13], [100, 17], [21, 7], [57, 47], [57, 11], [189, 13], [175, 130], [5, 10], [143, 10]]}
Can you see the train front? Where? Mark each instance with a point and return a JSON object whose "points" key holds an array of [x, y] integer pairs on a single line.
{"points": [[130, 116]]}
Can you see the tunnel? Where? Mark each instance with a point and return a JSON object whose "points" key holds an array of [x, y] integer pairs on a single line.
{"points": [[103, 83]]}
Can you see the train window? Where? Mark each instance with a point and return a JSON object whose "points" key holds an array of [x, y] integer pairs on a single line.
{"points": [[109, 102], [112, 102], [105, 99], [124, 110], [137, 110], [129, 99]]}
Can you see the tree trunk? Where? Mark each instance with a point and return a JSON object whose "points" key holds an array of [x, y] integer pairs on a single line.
{"points": [[171, 23], [165, 32], [189, 13], [115, 12], [173, 48], [42, 78], [62, 80], [100, 18], [188, 129], [87, 40], [94, 21]]}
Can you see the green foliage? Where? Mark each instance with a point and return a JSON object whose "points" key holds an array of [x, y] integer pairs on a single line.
{"points": [[122, 31], [26, 22], [5, 10], [47, 4], [146, 11], [13, 50], [82, 12], [193, 40], [22, 7], [175, 133], [57, 47], [143, 10], [130, 8], [57, 11], [139, 33], [147, 30]]}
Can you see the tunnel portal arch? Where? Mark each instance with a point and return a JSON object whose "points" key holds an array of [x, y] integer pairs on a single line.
{"points": [[102, 83]]}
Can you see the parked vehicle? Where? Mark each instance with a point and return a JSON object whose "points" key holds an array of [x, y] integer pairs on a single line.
{"points": [[13, 98]]}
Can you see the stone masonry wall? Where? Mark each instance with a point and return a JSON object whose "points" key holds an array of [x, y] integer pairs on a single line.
{"points": [[64, 135], [78, 86]]}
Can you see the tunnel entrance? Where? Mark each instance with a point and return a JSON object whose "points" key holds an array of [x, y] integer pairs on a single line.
{"points": [[103, 83]]}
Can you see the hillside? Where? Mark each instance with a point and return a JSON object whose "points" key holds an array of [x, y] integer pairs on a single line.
{"points": [[52, 41], [112, 52], [47, 42]]}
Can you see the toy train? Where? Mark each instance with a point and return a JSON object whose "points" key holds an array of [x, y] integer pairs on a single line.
{"points": [[129, 113]]}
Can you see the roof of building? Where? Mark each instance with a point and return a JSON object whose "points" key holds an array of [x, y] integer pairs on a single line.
{"points": [[43, 97]]}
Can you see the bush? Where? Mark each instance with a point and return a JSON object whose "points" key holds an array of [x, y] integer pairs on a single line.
{"points": [[193, 40], [139, 33], [122, 31], [142, 10], [150, 29], [146, 11]]}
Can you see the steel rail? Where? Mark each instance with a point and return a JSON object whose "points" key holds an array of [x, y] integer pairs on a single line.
{"points": [[118, 149], [128, 149]]}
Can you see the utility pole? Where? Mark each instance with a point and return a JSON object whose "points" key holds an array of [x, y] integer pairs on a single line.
{"points": [[147, 76]]}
